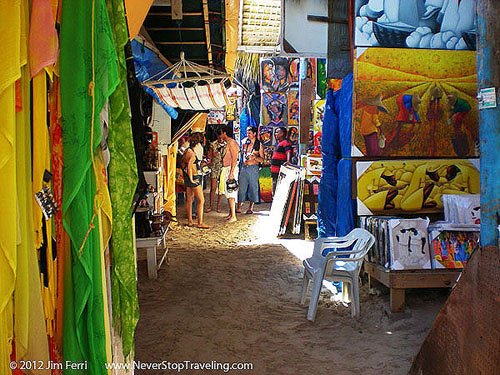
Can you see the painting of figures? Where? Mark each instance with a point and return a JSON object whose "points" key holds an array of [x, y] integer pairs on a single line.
{"points": [[274, 109], [293, 107], [275, 74], [430, 24], [413, 186], [415, 103]]}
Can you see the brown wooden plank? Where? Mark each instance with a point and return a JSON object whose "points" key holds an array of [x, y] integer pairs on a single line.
{"points": [[177, 9], [305, 106], [397, 300], [429, 279], [378, 273]]}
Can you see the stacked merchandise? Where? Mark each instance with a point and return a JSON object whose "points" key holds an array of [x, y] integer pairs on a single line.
{"points": [[400, 244], [286, 203], [454, 240], [280, 98]]}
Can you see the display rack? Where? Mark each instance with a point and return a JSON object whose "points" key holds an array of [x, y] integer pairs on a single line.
{"points": [[400, 280]]}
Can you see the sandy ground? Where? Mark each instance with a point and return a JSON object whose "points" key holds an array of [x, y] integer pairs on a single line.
{"points": [[231, 294]]}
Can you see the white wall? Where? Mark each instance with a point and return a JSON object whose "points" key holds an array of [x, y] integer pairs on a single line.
{"points": [[162, 125], [308, 38]]}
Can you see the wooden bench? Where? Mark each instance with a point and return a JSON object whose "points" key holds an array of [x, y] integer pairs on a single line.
{"points": [[399, 281], [151, 244]]}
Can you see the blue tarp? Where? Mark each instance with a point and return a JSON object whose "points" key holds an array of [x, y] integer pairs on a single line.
{"points": [[335, 203], [147, 64]]}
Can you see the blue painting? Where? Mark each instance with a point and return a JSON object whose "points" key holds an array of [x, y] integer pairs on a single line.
{"points": [[430, 24]]}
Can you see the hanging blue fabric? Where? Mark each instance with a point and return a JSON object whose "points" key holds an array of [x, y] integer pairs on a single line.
{"points": [[147, 64], [335, 204], [244, 123], [327, 197]]}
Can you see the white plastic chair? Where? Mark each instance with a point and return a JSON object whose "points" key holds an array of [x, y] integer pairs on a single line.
{"points": [[330, 264]]}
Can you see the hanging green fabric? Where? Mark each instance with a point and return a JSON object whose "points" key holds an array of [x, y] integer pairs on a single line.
{"points": [[122, 183], [89, 75]]}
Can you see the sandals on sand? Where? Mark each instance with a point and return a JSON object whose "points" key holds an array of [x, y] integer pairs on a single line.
{"points": [[202, 226], [249, 212]]}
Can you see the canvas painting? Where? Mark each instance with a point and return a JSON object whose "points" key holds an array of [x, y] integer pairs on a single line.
{"points": [[274, 109], [431, 24], [295, 71], [321, 78], [293, 107], [409, 244], [310, 198], [412, 186], [265, 185], [266, 135], [452, 249], [415, 103], [216, 116], [275, 74]]}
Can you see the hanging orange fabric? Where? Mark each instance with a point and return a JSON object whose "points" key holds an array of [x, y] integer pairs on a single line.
{"points": [[44, 43]]}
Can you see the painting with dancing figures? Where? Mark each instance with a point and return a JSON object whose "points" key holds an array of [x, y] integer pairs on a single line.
{"points": [[275, 74], [415, 103], [430, 24], [412, 186]]}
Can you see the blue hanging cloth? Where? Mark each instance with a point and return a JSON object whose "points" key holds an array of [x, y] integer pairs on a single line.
{"points": [[147, 64], [335, 204]]}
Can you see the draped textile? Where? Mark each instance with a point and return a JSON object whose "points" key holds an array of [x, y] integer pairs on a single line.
{"points": [[122, 182], [335, 203], [88, 76], [44, 43], [202, 97], [57, 188], [10, 29], [169, 195], [232, 9], [29, 328]]}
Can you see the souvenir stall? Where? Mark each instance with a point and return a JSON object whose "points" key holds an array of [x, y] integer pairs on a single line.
{"points": [[412, 146], [70, 129]]}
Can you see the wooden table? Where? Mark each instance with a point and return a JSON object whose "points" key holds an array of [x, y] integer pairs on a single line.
{"points": [[399, 281], [151, 244]]}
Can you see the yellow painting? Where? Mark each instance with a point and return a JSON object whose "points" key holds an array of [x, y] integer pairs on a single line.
{"points": [[413, 186], [415, 103]]}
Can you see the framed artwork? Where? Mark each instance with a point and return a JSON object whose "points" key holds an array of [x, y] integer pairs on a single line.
{"points": [[431, 24], [293, 107], [275, 74], [415, 103], [216, 116], [412, 186], [310, 198], [452, 248], [409, 244], [274, 109]]}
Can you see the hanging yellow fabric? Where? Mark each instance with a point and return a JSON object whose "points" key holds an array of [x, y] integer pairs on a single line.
{"points": [[170, 180], [10, 29], [232, 16], [29, 329]]}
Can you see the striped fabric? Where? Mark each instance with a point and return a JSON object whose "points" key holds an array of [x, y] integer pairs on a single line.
{"points": [[198, 98]]}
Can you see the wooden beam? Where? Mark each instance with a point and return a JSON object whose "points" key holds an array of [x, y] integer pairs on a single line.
{"points": [[175, 28], [326, 19], [180, 43], [177, 9], [207, 31]]}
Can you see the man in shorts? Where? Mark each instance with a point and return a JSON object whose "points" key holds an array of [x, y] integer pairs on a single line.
{"points": [[229, 170]]}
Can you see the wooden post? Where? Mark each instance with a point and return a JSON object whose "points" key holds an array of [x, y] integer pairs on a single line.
{"points": [[339, 51], [177, 9], [488, 75]]}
